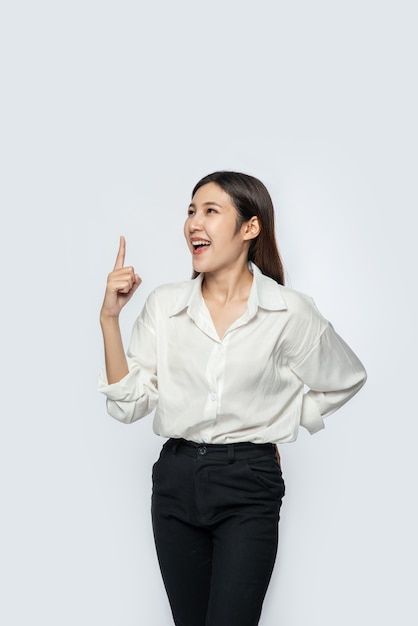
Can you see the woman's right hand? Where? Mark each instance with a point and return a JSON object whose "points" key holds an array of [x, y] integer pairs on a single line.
{"points": [[122, 283]]}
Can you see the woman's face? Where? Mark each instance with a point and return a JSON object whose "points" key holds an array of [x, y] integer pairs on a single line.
{"points": [[211, 231]]}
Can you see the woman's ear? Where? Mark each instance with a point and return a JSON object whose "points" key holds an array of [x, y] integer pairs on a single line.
{"points": [[252, 228]]}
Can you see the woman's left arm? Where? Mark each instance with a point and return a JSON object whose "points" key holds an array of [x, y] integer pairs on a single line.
{"points": [[333, 374]]}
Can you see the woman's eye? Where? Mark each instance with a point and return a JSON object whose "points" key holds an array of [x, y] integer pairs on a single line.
{"points": [[190, 212], [212, 211]]}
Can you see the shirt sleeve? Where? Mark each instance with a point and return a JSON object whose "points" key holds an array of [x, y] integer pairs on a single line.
{"points": [[136, 395], [333, 374]]}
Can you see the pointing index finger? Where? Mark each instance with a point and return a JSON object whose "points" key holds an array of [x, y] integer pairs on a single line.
{"points": [[120, 259]]}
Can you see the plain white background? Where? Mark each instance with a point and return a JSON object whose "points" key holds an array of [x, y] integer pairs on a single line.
{"points": [[110, 112]]}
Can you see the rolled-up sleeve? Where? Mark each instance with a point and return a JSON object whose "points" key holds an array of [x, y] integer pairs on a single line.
{"points": [[333, 374], [135, 395]]}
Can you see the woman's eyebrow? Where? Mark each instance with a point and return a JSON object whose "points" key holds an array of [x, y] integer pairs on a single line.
{"points": [[205, 204]]}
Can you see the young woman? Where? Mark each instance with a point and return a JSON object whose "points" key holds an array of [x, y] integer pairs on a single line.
{"points": [[225, 359]]}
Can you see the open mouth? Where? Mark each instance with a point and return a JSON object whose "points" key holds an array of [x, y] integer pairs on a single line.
{"points": [[199, 245]]}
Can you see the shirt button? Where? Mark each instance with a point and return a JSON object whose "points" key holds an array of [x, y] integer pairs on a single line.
{"points": [[213, 397], [202, 450]]}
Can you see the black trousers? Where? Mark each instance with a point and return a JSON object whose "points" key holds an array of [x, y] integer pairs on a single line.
{"points": [[215, 511]]}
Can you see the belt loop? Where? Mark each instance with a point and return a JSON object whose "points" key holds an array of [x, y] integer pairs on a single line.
{"points": [[174, 445], [231, 453]]}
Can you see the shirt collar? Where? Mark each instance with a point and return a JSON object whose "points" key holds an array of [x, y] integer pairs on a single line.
{"points": [[265, 293]]}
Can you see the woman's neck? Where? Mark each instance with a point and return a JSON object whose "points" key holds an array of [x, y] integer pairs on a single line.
{"points": [[227, 285]]}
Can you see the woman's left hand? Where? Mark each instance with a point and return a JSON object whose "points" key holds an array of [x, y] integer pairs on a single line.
{"points": [[278, 455]]}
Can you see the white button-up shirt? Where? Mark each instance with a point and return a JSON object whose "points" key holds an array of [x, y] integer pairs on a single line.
{"points": [[279, 366]]}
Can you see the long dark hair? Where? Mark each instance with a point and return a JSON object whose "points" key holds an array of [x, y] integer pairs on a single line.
{"points": [[251, 198]]}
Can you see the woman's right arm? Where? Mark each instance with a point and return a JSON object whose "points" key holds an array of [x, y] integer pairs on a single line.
{"points": [[122, 283]]}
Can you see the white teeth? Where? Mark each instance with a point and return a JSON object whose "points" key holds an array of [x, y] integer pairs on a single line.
{"points": [[200, 242]]}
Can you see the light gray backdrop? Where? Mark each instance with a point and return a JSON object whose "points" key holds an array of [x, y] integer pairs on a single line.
{"points": [[111, 111]]}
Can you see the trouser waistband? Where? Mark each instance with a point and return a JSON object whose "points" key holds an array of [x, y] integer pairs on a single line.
{"points": [[226, 451]]}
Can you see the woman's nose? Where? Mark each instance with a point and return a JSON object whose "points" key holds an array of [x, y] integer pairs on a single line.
{"points": [[195, 224]]}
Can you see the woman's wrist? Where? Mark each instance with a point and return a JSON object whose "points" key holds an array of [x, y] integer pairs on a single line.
{"points": [[106, 319]]}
